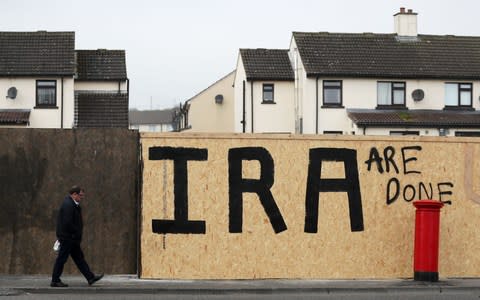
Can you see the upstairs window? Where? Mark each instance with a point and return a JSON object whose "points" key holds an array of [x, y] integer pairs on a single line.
{"points": [[268, 93], [458, 95], [391, 94], [46, 93], [332, 93]]}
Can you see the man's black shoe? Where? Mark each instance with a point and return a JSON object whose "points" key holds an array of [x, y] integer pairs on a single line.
{"points": [[95, 279], [58, 284]]}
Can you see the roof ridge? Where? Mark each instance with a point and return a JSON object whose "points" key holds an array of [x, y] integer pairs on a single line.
{"points": [[327, 33], [98, 50]]}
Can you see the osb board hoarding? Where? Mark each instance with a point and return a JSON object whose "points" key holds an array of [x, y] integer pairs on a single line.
{"points": [[268, 206]]}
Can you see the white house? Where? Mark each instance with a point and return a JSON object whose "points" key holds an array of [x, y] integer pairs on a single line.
{"points": [[212, 110], [264, 92], [400, 83], [48, 84], [361, 83]]}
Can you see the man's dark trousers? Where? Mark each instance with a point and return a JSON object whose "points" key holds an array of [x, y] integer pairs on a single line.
{"points": [[73, 249]]}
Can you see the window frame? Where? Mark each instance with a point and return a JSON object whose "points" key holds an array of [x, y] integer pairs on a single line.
{"points": [[37, 88], [459, 93], [339, 88], [268, 85], [404, 132], [392, 94], [333, 132], [467, 133]]}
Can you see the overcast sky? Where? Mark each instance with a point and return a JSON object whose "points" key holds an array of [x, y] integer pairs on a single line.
{"points": [[177, 48]]}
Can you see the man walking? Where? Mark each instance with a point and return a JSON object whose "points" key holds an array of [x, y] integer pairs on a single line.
{"points": [[69, 233]]}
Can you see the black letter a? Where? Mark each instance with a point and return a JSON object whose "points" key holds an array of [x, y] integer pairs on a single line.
{"points": [[315, 185]]}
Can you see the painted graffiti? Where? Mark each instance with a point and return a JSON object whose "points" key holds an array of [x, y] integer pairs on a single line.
{"points": [[388, 161], [262, 187], [404, 164]]}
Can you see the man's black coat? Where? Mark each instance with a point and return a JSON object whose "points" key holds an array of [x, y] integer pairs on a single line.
{"points": [[69, 221]]}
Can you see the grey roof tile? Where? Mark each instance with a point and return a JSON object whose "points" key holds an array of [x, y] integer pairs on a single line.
{"points": [[14, 116], [101, 64], [37, 53], [145, 117], [415, 118], [267, 64], [101, 109], [385, 55]]}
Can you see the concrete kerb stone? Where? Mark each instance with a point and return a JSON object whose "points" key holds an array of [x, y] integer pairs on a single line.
{"points": [[130, 284], [10, 292]]}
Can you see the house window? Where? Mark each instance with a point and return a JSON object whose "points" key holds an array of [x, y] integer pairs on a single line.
{"points": [[458, 94], [332, 132], [46, 93], [332, 93], [404, 132], [268, 93], [391, 94], [468, 133]]}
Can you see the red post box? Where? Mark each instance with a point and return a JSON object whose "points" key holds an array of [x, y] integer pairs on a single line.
{"points": [[427, 230]]}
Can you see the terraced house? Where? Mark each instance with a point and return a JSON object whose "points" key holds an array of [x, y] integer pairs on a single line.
{"points": [[48, 84], [401, 83]]}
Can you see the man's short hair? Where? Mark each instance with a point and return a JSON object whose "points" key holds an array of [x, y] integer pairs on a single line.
{"points": [[75, 190]]}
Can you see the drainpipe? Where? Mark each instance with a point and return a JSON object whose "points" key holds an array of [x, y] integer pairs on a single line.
{"points": [[251, 98], [316, 103], [61, 111], [128, 91], [244, 108]]}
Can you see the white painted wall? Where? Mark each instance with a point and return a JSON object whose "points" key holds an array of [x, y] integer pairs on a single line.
{"points": [[69, 104], [239, 78], [362, 93], [100, 85], [26, 99], [273, 118], [267, 118], [205, 115], [406, 24], [300, 78]]}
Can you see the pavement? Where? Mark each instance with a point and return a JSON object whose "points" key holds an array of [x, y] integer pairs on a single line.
{"points": [[11, 285]]}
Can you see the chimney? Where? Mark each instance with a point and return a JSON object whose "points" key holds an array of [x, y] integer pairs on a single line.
{"points": [[405, 23]]}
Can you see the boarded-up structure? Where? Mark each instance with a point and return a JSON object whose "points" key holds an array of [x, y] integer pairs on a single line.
{"points": [[272, 206], [38, 167]]}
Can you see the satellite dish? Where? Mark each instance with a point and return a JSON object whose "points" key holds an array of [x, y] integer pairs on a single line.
{"points": [[219, 99], [418, 95], [12, 92]]}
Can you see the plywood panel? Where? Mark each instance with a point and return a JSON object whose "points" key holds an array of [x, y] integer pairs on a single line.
{"points": [[407, 166]]}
